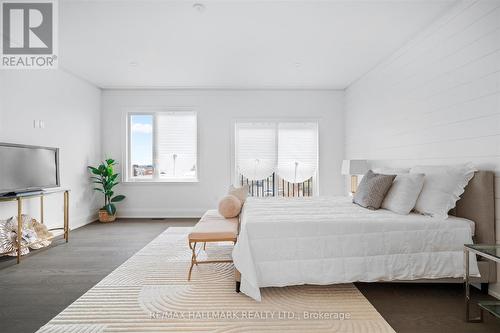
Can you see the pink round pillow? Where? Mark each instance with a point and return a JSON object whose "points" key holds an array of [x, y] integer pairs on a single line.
{"points": [[229, 206]]}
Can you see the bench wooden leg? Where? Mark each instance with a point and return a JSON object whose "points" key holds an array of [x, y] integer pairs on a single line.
{"points": [[193, 259]]}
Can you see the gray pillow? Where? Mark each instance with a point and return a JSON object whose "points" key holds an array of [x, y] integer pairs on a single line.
{"points": [[372, 190]]}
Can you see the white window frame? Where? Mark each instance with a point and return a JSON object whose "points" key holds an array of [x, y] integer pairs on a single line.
{"points": [[127, 168], [233, 166]]}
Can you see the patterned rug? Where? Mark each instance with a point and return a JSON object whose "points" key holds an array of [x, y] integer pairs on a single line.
{"points": [[150, 293]]}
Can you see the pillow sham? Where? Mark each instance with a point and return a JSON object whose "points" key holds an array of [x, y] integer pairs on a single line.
{"points": [[403, 194], [391, 171], [372, 190], [442, 188], [239, 192]]}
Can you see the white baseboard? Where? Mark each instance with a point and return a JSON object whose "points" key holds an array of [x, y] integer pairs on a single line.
{"points": [[161, 213], [78, 222]]}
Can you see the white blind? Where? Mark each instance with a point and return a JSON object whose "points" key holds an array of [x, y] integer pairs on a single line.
{"points": [[255, 149], [176, 144], [297, 151], [290, 149]]}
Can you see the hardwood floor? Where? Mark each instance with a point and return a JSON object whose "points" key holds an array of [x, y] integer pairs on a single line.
{"points": [[49, 280], [426, 308]]}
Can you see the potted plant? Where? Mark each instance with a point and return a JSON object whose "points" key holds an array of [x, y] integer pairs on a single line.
{"points": [[106, 178]]}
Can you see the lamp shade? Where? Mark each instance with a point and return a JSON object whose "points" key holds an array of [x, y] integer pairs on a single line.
{"points": [[354, 167]]}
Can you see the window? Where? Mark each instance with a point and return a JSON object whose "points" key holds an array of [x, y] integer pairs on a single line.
{"points": [[162, 147], [277, 158]]}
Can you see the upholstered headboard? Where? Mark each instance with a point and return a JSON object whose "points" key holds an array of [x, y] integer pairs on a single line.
{"points": [[478, 204]]}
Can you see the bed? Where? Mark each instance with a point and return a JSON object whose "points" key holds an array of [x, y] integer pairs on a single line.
{"points": [[329, 240]]}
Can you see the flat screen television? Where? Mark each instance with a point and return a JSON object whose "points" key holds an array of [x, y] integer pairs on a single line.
{"points": [[27, 168]]}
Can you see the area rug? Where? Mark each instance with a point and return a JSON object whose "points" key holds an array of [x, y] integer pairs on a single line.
{"points": [[150, 293]]}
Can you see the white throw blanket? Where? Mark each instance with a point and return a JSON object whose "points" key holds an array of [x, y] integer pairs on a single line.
{"points": [[327, 240]]}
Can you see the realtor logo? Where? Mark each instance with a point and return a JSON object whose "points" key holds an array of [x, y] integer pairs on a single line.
{"points": [[29, 34]]}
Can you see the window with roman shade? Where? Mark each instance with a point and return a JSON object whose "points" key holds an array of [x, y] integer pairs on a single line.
{"points": [[272, 156], [162, 146]]}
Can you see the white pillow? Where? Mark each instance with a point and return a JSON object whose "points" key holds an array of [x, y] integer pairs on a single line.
{"points": [[403, 193], [240, 192], [443, 186], [391, 171]]}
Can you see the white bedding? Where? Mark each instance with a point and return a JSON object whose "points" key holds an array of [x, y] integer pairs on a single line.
{"points": [[327, 240]]}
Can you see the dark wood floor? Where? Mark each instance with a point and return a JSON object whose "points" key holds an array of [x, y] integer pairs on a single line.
{"points": [[425, 308], [49, 280]]}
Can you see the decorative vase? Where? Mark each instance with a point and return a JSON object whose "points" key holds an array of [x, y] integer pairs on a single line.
{"points": [[105, 217]]}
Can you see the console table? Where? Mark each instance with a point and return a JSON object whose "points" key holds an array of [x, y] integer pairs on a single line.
{"points": [[20, 197]]}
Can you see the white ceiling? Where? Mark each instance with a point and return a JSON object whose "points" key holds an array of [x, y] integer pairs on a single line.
{"points": [[235, 44]]}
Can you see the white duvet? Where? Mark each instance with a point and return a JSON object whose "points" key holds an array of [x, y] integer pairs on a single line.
{"points": [[327, 240]]}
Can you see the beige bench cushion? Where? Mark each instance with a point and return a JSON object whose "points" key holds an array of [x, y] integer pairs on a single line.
{"points": [[214, 227]]}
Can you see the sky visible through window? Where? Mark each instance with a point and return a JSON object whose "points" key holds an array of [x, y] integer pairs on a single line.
{"points": [[141, 142]]}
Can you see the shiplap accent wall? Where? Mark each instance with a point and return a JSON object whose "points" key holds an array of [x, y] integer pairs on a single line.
{"points": [[436, 100]]}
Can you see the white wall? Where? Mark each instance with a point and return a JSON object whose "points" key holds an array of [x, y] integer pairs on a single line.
{"points": [[437, 100], [70, 109], [216, 110]]}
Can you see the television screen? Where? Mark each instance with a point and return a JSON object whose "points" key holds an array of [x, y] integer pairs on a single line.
{"points": [[27, 168]]}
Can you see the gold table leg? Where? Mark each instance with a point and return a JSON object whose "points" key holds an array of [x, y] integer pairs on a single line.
{"points": [[66, 215], [19, 227], [41, 209]]}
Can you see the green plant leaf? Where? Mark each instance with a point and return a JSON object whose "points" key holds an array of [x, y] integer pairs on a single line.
{"points": [[110, 161], [111, 209], [98, 189], [95, 171], [108, 209], [118, 198], [102, 172]]}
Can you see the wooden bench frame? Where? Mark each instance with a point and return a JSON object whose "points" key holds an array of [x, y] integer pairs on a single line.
{"points": [[195, 261]]}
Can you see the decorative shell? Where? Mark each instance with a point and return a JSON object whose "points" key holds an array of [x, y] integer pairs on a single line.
{"points": [[32, 231]]}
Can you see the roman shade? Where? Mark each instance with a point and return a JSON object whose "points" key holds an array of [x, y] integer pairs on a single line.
{"points": [[176, 148], [297, 151], [288, 149], [255, 149]]}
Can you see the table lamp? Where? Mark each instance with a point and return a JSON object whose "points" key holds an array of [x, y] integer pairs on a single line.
{"points": [[354, 168]]}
